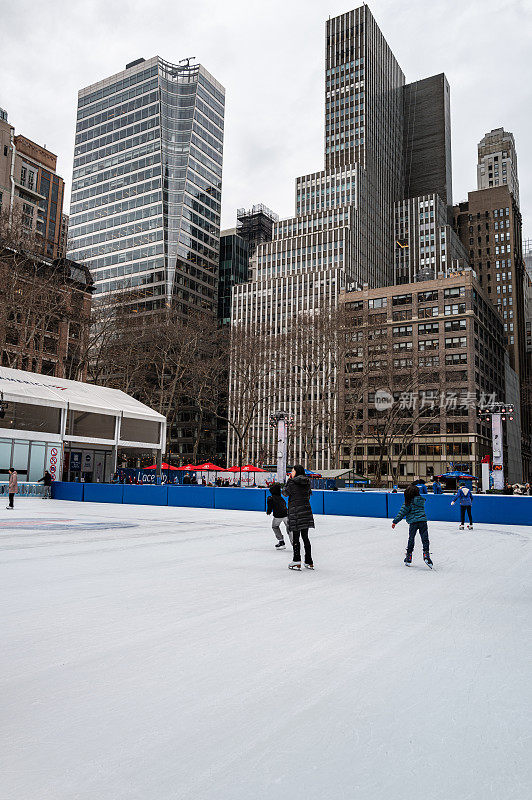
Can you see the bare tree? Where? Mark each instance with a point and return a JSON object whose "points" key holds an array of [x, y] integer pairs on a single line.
{"points": [[254, 359]]}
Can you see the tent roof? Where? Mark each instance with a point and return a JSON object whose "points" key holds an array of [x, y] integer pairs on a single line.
{"points": [[337, 473], [45, 390]]}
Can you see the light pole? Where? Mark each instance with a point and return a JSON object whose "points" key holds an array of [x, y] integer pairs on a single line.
{"points": [[497, 414], [281, 420]]}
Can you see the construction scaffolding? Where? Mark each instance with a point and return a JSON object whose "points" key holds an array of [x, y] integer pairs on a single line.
{"points": [[256, 225]]}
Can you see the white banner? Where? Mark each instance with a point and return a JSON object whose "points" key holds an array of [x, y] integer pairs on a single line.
{"points": [[496, 444]]}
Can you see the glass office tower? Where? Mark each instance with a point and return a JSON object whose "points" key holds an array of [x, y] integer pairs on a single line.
{"points": [[146, 185]]}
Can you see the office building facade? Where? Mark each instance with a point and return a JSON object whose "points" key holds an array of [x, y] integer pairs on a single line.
{"points": [[31, 191], [436, 347], [497, 162], [146, 185]]}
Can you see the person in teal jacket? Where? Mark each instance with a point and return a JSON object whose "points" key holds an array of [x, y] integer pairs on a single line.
{"points": [[413, 509]]}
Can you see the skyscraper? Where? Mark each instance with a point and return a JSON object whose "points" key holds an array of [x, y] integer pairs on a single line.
{"points": [[146, 184], [497, 162], [343, 229], [427, 139]]}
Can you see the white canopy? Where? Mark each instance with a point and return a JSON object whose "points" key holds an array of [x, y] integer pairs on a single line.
{"points": [[18, 386]]}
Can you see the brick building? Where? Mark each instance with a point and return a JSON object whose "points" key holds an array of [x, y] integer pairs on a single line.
{"points": [[45, 311], [489, 226], [435, 346], [31, 189]]}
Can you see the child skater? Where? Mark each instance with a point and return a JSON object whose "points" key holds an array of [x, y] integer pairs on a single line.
{"points": [[277, 505], [413, 509], [300, 517], [465, 496]]}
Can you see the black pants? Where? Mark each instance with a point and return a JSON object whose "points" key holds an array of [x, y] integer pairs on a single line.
{"points": [[306, 543], [423, 529], [463, 510], [11, 498]]}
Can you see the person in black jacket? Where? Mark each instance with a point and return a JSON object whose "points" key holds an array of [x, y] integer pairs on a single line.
{"points": [[276, 504], [46, 480], [300, 517]]}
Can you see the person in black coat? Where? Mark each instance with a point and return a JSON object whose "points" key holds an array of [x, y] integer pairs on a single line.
{"points": [[300, 517], [46, 480], [275, 504]]}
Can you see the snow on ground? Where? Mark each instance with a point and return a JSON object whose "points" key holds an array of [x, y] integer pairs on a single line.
{"points": [[169, 654]]}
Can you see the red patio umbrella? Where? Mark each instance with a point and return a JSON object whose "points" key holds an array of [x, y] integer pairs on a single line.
{"points": [[164, 465], [251, 468], [187, 467], [208, 467]]}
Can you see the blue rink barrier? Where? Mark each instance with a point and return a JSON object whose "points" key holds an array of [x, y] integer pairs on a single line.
{"points": [[355, 504], [316, 501], [148, 495], [240, 499], [61, 490], [498, 509], [103, 492], [191, 496], [491, 509]]}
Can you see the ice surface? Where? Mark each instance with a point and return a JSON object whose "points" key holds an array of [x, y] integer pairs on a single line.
{"points": [[156, 653]]}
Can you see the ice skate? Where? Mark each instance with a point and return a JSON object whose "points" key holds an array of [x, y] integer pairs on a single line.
{"points": [[294, 565], [408, 559], [309, 566], [280, 546], [460, 527], [469, 527], [428, 561]]}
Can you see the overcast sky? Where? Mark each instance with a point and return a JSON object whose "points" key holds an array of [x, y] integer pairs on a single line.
{"points": [[269, 55]]}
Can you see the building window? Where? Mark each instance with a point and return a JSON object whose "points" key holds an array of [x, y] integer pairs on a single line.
{"points": [[378, 302]]}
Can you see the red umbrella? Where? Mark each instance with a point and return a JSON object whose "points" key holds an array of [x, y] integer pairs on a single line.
{"points": [[208, 467], [164, 465], [246, 468], [188, 467]]}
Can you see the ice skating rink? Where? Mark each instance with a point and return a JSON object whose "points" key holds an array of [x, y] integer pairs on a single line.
{"points": [[168, 654]]}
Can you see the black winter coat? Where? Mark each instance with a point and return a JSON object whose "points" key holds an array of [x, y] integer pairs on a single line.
{"points": [[276, 504], [298, 492]]}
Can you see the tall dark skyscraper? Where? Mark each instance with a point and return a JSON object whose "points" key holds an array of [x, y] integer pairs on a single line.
{"points": [[364, 135], [146, 184], [343, 228], [427, 139]]}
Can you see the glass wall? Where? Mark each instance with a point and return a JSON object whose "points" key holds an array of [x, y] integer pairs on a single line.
{"points": [[37, 455], [28, 458], [93, 426]]}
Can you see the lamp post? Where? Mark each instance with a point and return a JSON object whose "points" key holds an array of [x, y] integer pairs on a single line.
{"points": [[497, 413], [281, 420]]}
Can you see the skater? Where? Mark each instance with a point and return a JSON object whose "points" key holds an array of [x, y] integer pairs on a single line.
{"points": [[46, 481], [422, 488], [413, 509], [13, 486], [437, 487], [300, 517], [277, 505], [465, 496]]}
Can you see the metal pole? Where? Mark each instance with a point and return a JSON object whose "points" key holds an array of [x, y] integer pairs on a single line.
{"points": [[281, 449]]}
